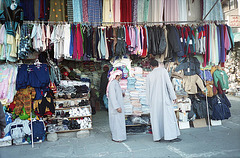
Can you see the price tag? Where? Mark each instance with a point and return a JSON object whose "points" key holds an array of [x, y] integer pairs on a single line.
{"points": [[190, 42], [181, 39], [188, 69]]}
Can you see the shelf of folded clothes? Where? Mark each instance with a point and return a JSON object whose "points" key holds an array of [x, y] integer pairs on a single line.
{"points": [[71, 107], [73, 117], [74, 130]]}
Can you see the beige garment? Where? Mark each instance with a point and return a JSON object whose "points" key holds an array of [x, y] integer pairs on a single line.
{"points": [[190, 84], [57, 10], [115, 31], [108, 11]]}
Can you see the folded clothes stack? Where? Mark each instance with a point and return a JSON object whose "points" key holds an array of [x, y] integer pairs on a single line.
{"points": [[131, 83], [123, 83]]}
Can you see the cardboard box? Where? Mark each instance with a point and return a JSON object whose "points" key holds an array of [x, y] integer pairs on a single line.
{"points": [[198, 123]]}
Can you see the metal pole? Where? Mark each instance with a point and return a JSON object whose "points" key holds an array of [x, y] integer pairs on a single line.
{"points": [[31, 130], [209, 128]]}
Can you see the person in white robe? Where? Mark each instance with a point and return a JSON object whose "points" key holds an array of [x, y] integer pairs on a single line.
{"points": [[160, 98], [116, 107]]}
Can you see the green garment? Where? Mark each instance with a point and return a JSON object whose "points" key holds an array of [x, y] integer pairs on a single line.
{"points": [[221, 76]]}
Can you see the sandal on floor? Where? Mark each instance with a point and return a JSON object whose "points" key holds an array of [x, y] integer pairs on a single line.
{"points": [[117, 141]]}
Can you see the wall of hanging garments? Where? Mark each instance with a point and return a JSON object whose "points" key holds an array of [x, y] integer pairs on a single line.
{"points": [[114, 10], [209, 43]]}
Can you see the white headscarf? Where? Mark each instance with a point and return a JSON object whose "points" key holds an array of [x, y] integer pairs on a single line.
{"points": [[113, 75]]}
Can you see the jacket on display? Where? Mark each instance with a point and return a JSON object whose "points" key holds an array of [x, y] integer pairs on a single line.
{"points": [[18, 129], [199, 107], [190, 66], [190, 84], [221, 76], [174, 42], [211, 89], [156, 40], [220, 108], [24, 98]]}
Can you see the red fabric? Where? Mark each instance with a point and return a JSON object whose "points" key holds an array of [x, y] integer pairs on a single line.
{"points": [[41, 9], [126, 11], [12, 106], [144, 54], [78, 41], [128, 41], [75, 44]]}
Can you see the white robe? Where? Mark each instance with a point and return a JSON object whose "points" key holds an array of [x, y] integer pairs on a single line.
{"points": [[116, 119], [160, 96]]}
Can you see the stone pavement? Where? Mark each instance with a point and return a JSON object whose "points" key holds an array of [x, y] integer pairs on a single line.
{"points": [[221, 141]]}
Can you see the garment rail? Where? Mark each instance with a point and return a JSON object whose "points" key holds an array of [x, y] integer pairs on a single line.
{"points": [[142, 23]]}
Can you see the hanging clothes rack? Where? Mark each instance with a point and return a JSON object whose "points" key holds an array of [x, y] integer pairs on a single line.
{"points": [[141, 23]]}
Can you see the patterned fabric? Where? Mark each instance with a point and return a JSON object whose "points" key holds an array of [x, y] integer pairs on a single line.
{"points": [[135, 11], [77, 11], [145, 11], [70, 10], [216, 13], [94, 11], [140, 8], [57, 10], [24, 97], [85, 10]]}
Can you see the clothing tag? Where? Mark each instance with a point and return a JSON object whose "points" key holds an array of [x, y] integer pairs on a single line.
{"points": [[110, 16], [188, 69], [221, 73], [181, 39], [45, 94], [211, 86], [190, 42]]}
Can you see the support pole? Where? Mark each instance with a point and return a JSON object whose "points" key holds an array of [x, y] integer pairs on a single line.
{"points": [[31, 130], [209, 127]]}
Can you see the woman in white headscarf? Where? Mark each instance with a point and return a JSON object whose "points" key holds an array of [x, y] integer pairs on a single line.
{"points": [[116, 107]]}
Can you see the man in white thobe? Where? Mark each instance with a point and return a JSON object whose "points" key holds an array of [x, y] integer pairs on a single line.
{"points": [[160, 98], [116, 107]]}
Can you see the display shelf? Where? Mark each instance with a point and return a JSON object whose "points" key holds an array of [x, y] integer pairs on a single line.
{"points": [[73, 99], [73, 117], [138, 125], [73, 130], [138, 115], [85, 106]]}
